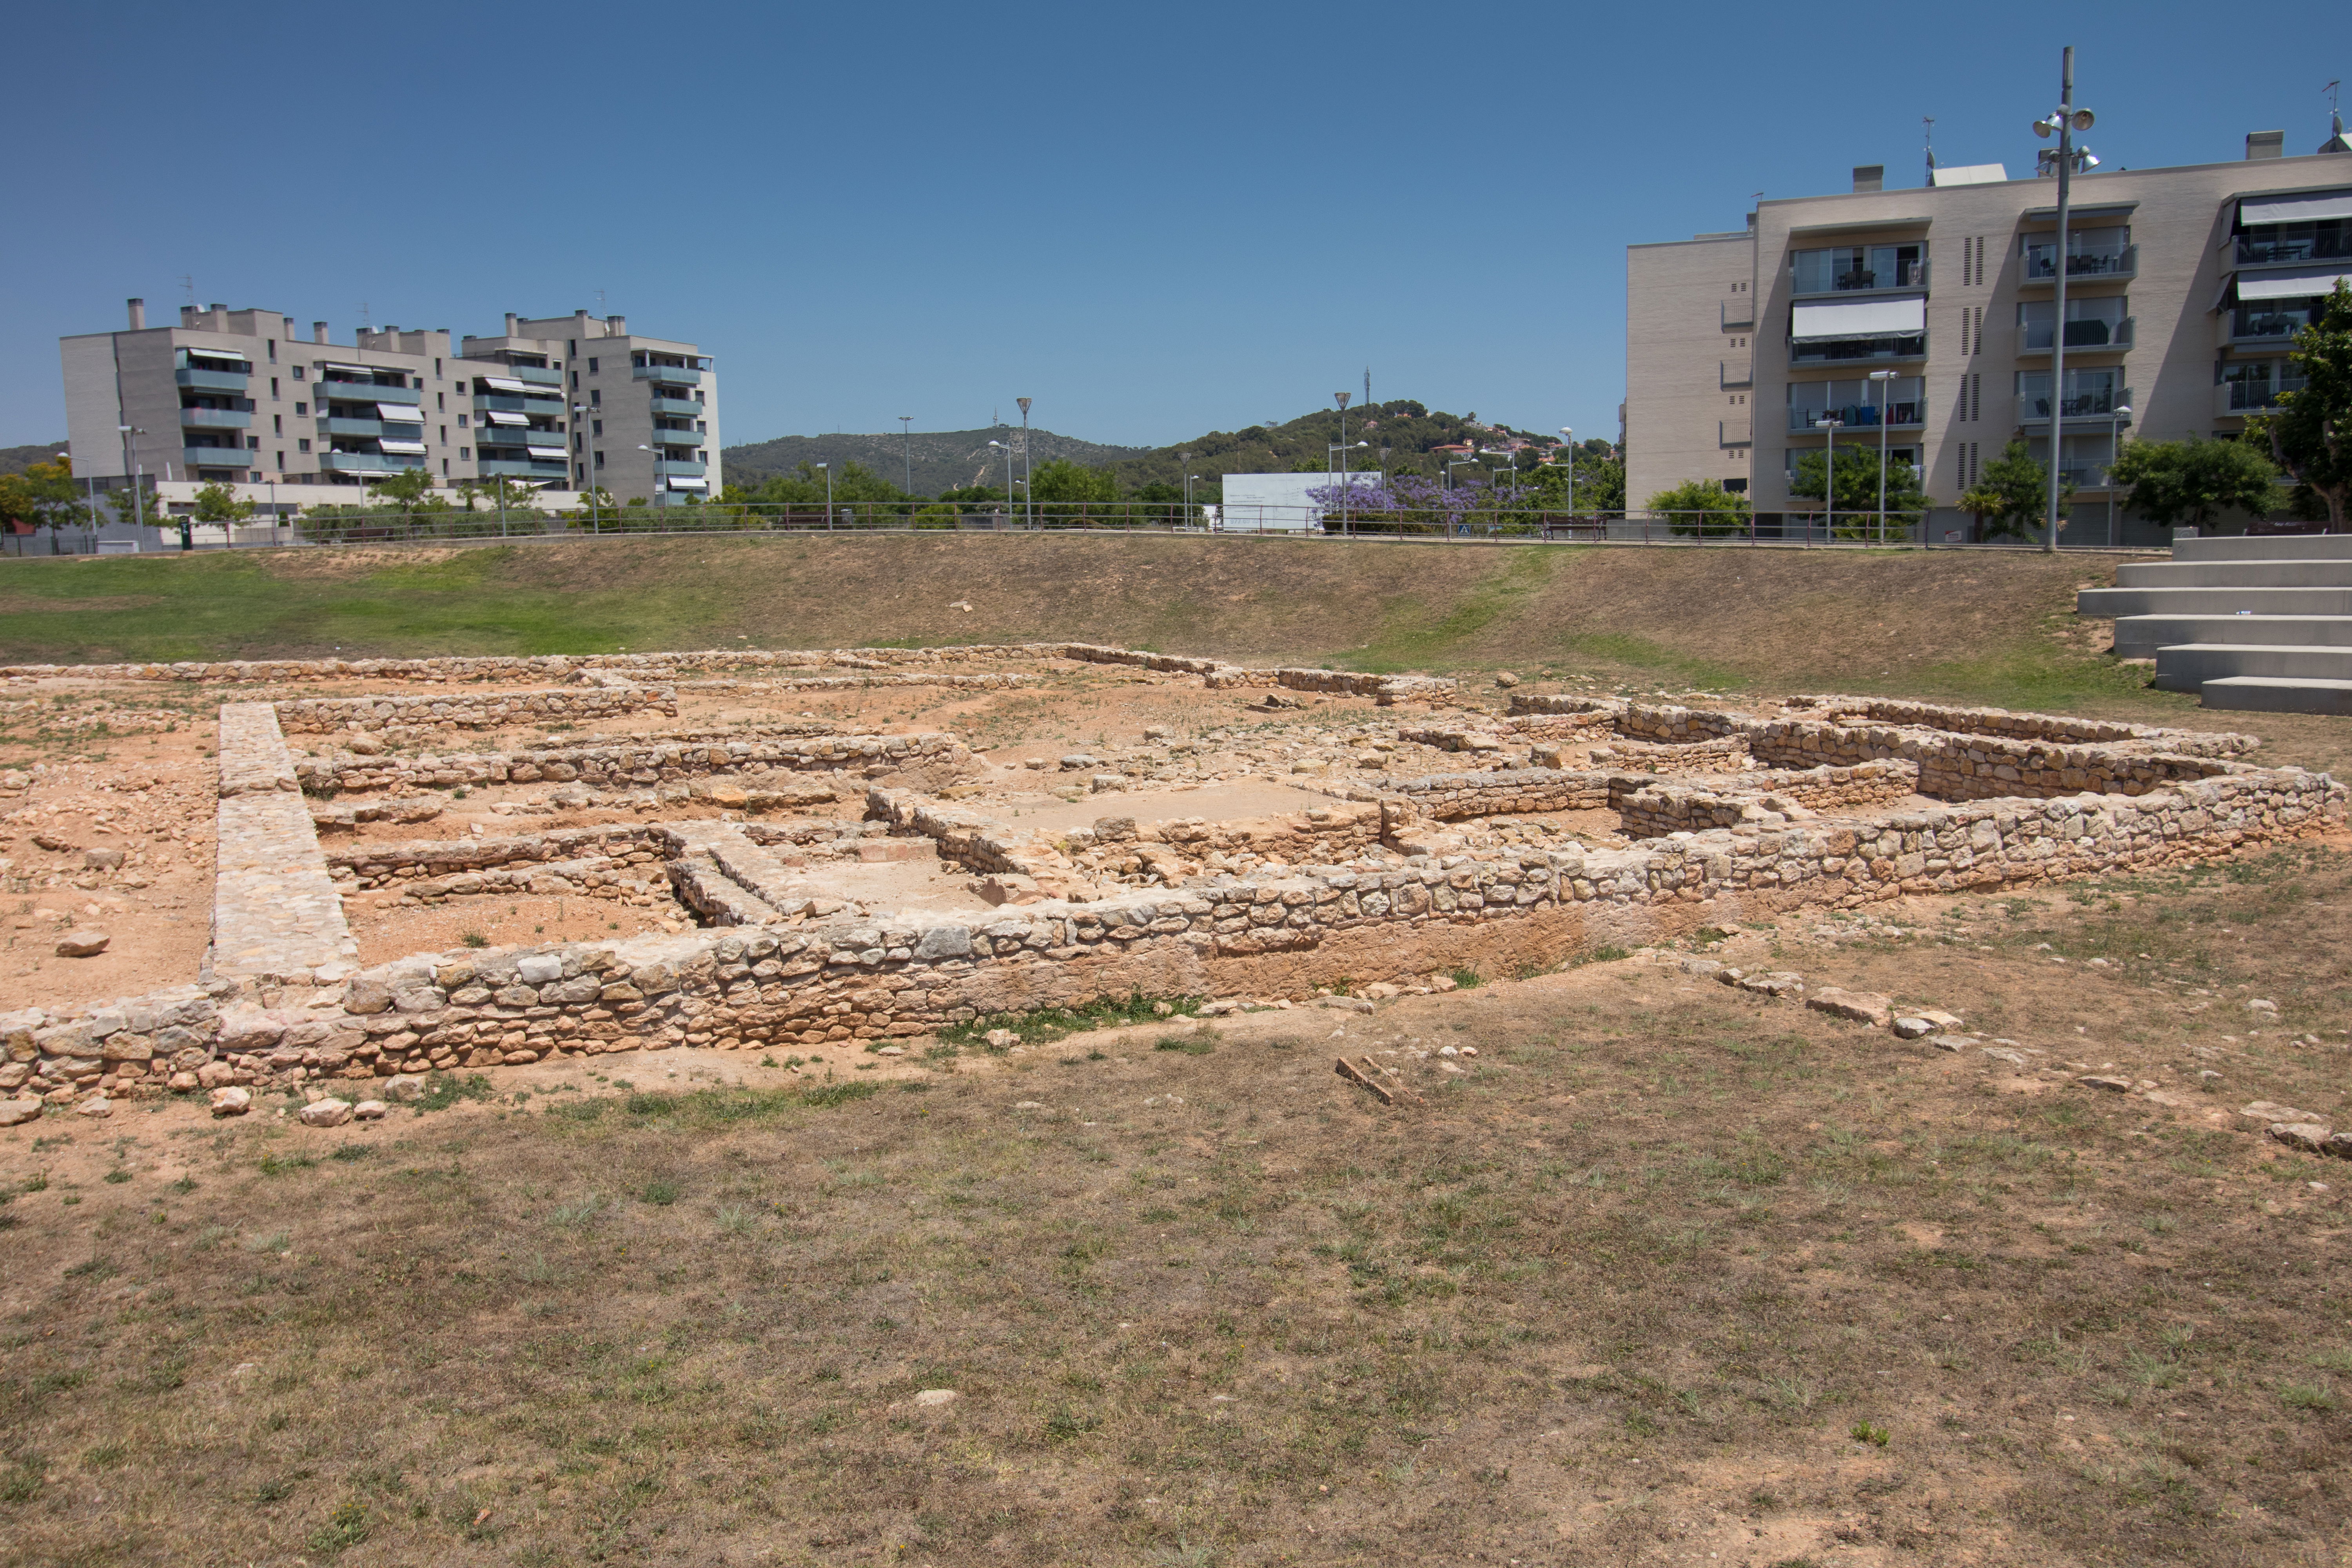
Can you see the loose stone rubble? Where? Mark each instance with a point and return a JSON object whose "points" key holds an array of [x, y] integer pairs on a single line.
{"points": [[1400, 876]]}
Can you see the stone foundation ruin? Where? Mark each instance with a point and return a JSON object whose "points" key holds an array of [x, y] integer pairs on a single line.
{"points": [[820, 890]]}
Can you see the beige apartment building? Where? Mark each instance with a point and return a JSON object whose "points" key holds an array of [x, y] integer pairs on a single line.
{"points": [[239, 395], [2184, 287]]}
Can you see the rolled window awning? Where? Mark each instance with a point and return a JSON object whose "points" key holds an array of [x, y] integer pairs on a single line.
{"points": [[230, 355], [400, 413], [1859, 319], [405, 448], [500, 416], [689, 484], [2294, 207], [506, 383], [358, 369], [2298, 283], [547, 451]]}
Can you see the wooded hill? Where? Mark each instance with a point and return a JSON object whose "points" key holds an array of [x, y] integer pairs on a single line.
{"points": [[944, 459], [16, 459]]}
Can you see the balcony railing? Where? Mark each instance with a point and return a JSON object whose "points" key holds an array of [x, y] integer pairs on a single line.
{"points": [[1904, 413], [539, 375], [2094, 334], [211, 379], [367, 462], [2252, 394], [2268, 326], [2253, 252], [677, 407], [514, 403], [396, 395], [679, 376], [214, 418], [683, 467], [1857, 280], [371, 429], [1849, 350], [2084, 475], [2092, 405], [371, 391], [2040, 263], [522, 468], [217, 457]]}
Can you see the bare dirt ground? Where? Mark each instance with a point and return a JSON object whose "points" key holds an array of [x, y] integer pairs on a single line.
{"points": [[1664, 1273]]}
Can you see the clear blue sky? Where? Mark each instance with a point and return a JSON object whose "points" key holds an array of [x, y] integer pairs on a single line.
{"points": [[1155, 220]]}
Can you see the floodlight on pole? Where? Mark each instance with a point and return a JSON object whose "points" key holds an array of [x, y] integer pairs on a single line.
{"points": [[1567, 440], [1882, 377], [1028, 505], [2062, 122], [828, 493], [1828, 428], [1342, 399], [907, 428], [2115, 417]]}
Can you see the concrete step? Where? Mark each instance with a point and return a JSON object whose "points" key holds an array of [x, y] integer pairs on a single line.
{"points": [[2235, 575], [2277, 694], [2279, 547], [2139, 637], [2193, 664], [2116, 603]]}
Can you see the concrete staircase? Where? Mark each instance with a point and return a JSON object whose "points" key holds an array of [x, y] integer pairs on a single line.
{"points": [[2258, 624]]}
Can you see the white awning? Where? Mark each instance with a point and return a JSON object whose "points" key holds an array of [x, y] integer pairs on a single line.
{"points": [[547, 451], [1860, 319], [362, 369], [689, 484], [2300, 283], [221, 354], [500, 416], [399, 412], [2297, 207], [504, 384], [405, 448]]}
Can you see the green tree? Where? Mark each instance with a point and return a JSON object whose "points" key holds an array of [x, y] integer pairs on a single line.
{"points": [[1856, 468], [43, 496], [1702, 506], [1063, 480], [2311, 435], [2011, 493], [406, 489], [2191, 481], [218, 502]]}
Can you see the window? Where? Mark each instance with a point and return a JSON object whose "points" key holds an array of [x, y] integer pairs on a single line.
{"points": [[441, 402], [281, 462], [599, 459], [595, 399], [592, 367], [596, 426], [301, 446], [436, 369], [273, 389], [702, 426], [298, 372], [698, 397], [253, 443], [278, 425], [444, 435], [1847, 267], [2091, 323], [575, 381], [273, 351], [572, 345], [301, 410], [465, 453], [444, 467], [461, 422]]}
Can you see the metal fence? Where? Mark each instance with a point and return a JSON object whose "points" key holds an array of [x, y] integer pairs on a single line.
{"points": [[1504, 526]]}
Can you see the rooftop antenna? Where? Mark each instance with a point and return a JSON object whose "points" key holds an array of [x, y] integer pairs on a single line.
{"points": [[2337, 141], [188, 287], [1929, 122], [366, 321], [1368, 386]]}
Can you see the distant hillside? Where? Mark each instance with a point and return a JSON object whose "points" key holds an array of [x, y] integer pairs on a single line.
{"points": [[16, 459], [1408, 430], [944, 459]]}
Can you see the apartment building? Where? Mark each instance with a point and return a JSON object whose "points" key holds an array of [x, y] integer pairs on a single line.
{"points": [[239, 395], [2184, 287]]}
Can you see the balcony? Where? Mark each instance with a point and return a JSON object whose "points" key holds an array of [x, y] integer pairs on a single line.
{"points": [[1857, 350], [1808, 284], [211, 379], [662, 437], [2091, 405], [539, 375], [216, 418], [217, 457], [2038, 264], [366, 391], [2091, 336], [398, 397], [2256, 326], [1730, 374], [673, 374], [522, 468], [1901, 414], [679, 466], [2301, 242], [677, 407], [2251, 394], [366, 463], [1739, 312], [509, 403], [371, 429]]}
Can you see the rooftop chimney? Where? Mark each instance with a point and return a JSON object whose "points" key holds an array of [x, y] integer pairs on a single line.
{"points": [[2266, 145], [514, 327], [317, 332], [138, 315], [216, 306], [617, 326], [187, 315], [1870, 176]]}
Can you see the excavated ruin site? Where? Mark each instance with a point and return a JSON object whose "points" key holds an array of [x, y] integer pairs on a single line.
{"points": [[323, 871]]}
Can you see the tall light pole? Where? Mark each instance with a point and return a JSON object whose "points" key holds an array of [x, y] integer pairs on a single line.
{"points": [[1567, 440], [2115, 417], [1828, 428], [1882, 377], [1342, 399], [130, 434], [907, 428], [2062, 122], [1186, 459], [1028, 505], [1007, 449]]}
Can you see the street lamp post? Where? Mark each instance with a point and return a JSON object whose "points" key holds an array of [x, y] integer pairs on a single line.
{"points": [[2115, 417], [1028, 506], [1828, 428], [130, 434], [1007, 450], [1567, 440], [906, 429], [1342, 399], [585, 465], [2062, 122], [1185, 458], [828, 493], [1882, 377]]}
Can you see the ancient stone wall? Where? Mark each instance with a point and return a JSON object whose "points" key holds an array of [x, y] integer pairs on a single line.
{"points": [[380, 864], [940, 759], [276, 912], [472, 710]]}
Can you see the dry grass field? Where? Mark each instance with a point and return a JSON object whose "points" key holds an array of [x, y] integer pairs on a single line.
{"points": [[1664, 1273]]}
